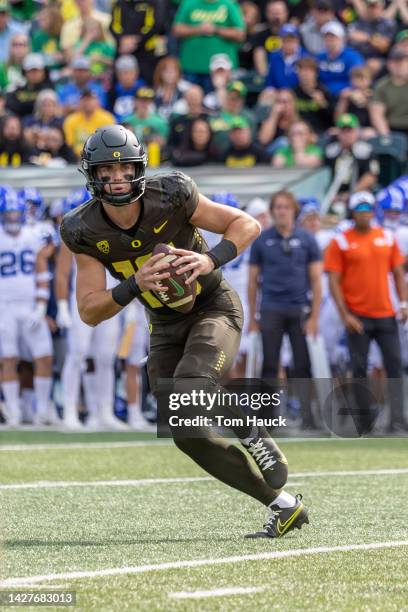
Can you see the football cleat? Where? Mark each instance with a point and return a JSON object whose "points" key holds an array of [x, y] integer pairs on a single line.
{"points": [[269, 459], [283, 520]]}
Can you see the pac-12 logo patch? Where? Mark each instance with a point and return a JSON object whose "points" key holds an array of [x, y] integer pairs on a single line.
{"points": [[103, 246]]}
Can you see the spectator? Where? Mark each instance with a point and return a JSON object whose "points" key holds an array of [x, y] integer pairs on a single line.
{"points": [[355, 155], [253, 27], [11, 72], [145, 123], [288, 260], [401, 41], [268, 39], [79, 125], [206, 28], [356, 99], [94, 45], [47, 112], [197, 148], [14, 150], [389, 110], [169, 86], [234, 107], [364, 302], [242, 151], [301, 152], [8, 27], [259, 209], [372, 36], [72, 28], [69, 93], [337, 60], [45, 38], [220, 73], [313, 101], [321, 13], [275, 127], [21, 101], [123, 90], [180, 123], [282, 63], [51, 150], [138, 29]]}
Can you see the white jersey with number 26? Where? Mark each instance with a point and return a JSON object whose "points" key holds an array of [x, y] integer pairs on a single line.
{"points": [[17, 265]]}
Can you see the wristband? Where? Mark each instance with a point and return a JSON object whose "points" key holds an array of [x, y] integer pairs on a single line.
{"points": [[126, 291], [222, 253], [403, 304]]}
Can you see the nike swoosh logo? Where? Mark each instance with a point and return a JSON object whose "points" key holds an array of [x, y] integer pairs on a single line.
{"points": [[159, 229], [282, 527]]}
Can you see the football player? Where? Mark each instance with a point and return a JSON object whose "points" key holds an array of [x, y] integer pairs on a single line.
{"points": [[89, 351], [117, 229], [24, 295]]}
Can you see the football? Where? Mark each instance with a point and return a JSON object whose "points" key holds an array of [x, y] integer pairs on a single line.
{"points": [[179, 296]]}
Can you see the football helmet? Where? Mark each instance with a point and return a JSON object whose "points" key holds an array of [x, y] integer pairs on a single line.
{"points": [[109, 145]]}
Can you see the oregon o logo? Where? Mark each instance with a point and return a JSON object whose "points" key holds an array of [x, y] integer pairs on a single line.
{"points": [[136, 244], [116, 154]]}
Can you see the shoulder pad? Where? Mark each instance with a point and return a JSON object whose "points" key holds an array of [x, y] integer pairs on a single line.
{"points": [[178, 187], [362, 150], [72, 230]]}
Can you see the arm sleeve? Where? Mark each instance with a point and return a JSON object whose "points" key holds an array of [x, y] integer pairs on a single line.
{"points": [[333, 260], [397, 259], [255, 254], [314, 251]]}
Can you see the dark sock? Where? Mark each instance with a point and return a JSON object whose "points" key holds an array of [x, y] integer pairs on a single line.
{"points": [[229, 464]]}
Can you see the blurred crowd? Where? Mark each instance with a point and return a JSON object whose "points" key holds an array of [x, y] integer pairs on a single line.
{"points": [[291, 84]]}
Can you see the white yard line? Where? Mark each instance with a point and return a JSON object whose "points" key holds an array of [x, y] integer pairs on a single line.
{"points": [[156, 567], [136, 443], [216, 592], [152, 481]]}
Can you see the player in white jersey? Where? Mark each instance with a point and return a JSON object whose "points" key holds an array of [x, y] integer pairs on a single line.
{"points": [[24, 295], [85, 343], [35, 212]]}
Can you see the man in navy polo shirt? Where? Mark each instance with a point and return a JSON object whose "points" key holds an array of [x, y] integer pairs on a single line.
{"points": [[285, 263]]}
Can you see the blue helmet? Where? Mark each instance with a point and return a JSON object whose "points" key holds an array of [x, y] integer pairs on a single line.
{"points": [[226, 198], [34, 202], [390, 206], [76, 198], [309, 206], [12, 211]]}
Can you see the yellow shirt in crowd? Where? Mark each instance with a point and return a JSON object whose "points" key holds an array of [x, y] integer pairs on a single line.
{"points": [[77, 127]]}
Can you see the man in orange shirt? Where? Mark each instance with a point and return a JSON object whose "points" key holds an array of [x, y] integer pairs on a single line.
{"points": [[359, 261]]}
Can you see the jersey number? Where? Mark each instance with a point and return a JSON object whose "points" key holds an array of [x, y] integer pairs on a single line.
{"points": [[126, 268], [12, 263]]}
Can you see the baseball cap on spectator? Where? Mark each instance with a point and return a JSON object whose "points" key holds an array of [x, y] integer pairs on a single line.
{"points": [[333, 27], [33, 61], [347, 120], [238, 123], [238, 87], [256, 207], [220, 61], [403, 35], [397, 54], [81, 63], [4, 6], [362, 201], [126, 62], [288, 30], [145, 93]]}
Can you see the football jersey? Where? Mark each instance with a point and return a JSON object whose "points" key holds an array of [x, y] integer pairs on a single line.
{"points": [[17, 265], [167, 204]]}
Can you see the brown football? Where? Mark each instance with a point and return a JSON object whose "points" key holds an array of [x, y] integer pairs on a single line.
{"points": [[179, 296]]}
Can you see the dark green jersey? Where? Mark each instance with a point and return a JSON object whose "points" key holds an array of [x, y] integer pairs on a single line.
{"points": [[166, 207]]}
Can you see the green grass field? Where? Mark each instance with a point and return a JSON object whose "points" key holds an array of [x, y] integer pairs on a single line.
{"points": [[177, 542]]}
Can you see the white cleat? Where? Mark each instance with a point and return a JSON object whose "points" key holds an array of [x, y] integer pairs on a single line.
{"points": [[71, 423], [139, 423], [111, 423]]}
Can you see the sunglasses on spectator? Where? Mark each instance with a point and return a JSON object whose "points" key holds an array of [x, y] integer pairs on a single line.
{"points": [[19, 44]]}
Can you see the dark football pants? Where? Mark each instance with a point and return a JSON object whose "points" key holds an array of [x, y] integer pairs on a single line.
{"points": [[384, 331], [204, 345]]}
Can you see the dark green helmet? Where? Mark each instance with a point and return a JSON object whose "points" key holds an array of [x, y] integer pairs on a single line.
{"points": [[109, 145]]}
